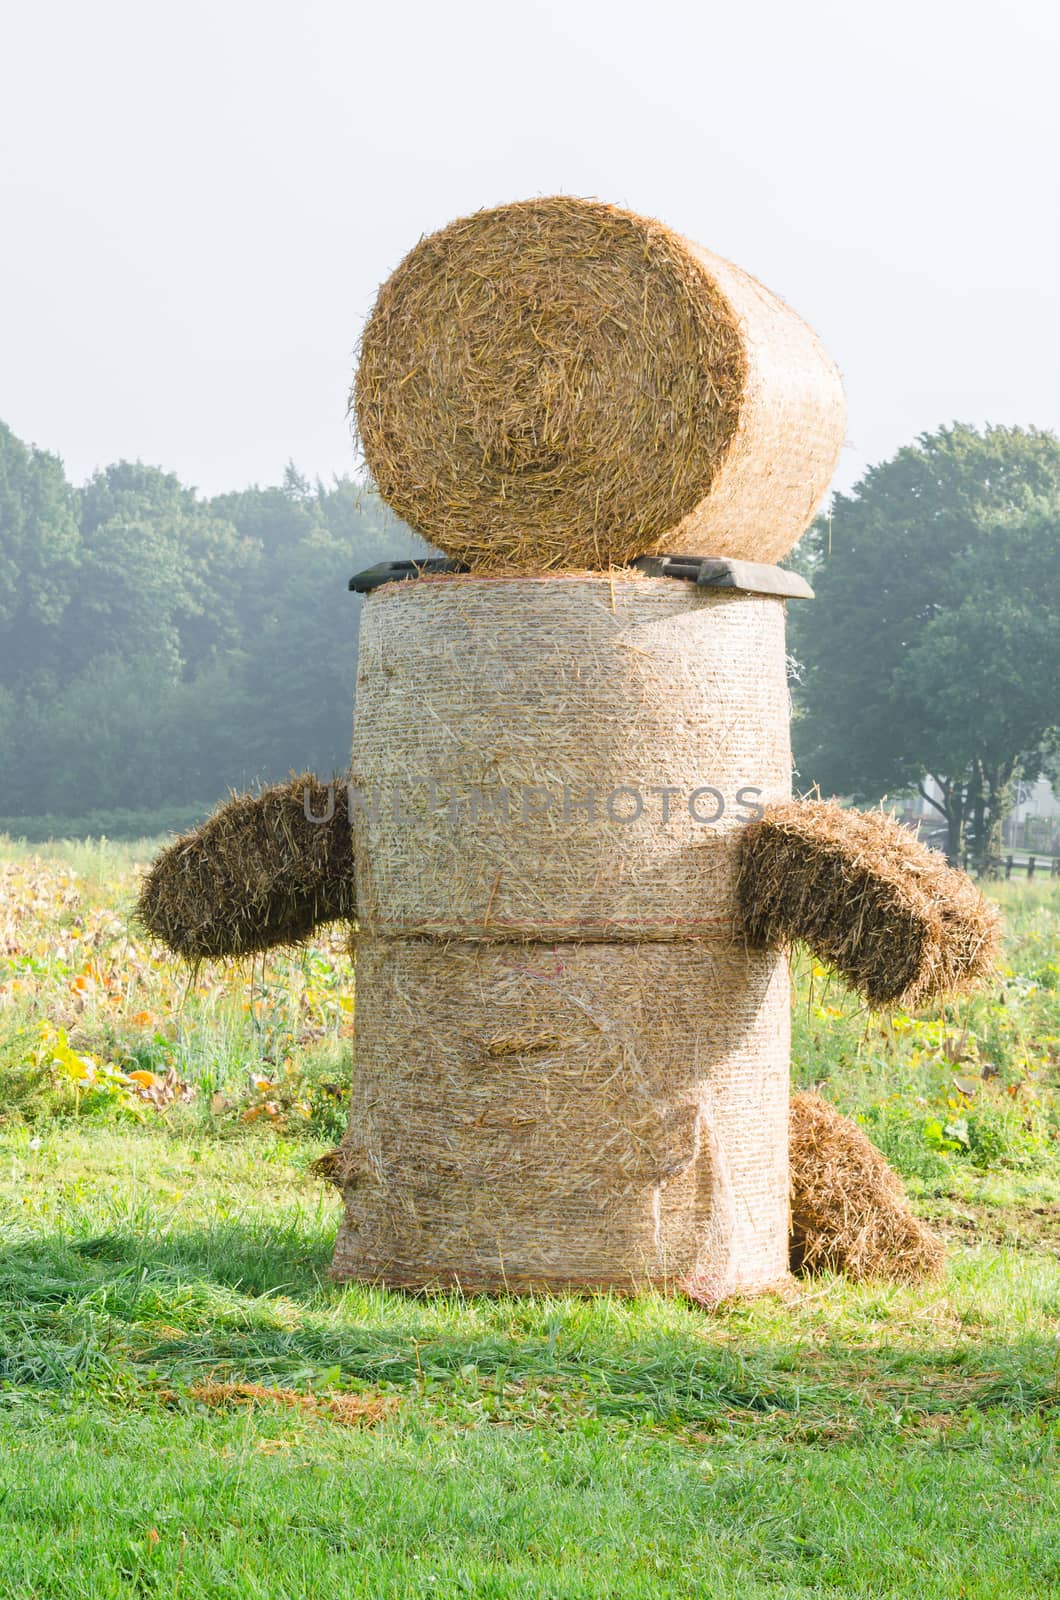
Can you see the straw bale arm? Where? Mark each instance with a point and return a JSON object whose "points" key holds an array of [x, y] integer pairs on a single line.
{"points": [[868, 898], [257, 874]]}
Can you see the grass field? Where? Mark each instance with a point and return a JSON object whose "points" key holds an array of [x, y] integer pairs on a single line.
{"points": [[188, 1408]]}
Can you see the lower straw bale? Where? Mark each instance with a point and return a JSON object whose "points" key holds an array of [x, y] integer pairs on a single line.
{"points": [[581, 1116]]}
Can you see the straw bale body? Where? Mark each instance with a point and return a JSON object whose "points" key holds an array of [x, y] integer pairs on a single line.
{"points": [[570, 1071], [558, 383], [583, 1116], [525, 698]]}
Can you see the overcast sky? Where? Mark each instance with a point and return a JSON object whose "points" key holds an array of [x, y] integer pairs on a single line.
{"points": [[198, 200]]}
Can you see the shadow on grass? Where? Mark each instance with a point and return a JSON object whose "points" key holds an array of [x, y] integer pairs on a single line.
{"points": [[251, 1303]]}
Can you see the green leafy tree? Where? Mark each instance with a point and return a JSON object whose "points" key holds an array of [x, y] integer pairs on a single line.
{"points": [[39, 548], [299, 620], [933, 649], [157, 649], [161, 574]]}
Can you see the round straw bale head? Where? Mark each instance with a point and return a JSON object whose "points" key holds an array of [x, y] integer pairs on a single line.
{"points": [[579, 1116], [256, 875], [561, 384], [569, 756]]}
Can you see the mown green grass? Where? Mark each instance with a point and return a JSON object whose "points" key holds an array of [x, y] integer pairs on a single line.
{"points": [[866, 1440]]}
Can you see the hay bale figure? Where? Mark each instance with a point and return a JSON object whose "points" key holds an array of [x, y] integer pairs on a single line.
{"points": [[569, 833]]}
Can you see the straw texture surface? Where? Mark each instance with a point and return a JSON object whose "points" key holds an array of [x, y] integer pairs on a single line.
{"points": [[585, 1116], [256, 875], [902, 926], [849, 1212], [561, 384], [521, 697]]}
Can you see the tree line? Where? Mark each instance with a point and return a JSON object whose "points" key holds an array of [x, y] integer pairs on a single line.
{"points": [[158, 648]]}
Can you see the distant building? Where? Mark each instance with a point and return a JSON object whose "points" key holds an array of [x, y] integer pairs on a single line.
{"points": [[1033, 824], [1034, 821]]}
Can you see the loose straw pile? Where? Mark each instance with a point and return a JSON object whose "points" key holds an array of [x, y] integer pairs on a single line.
{"points": [[848, 1209]]}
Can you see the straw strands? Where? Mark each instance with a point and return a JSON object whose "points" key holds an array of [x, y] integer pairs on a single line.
{"points": [[901, 926], [848, 1209], [558, 383], [575, 1116], [596, 746], [257, 874]]}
